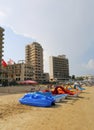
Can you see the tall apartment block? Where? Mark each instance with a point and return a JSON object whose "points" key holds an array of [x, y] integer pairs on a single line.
{"points": [[1, 49], [59, 68], [34, 56]]}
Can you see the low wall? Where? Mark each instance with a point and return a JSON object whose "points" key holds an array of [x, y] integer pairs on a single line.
{"points": [[16, 89]]}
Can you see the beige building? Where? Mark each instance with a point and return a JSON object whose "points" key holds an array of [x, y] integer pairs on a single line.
{"points": [[20, 72], [59, 68], [1, 50], [17, 72], [34, 56]]}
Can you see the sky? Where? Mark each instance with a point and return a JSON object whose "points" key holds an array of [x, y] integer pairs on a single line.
{"points": [[60, 26]]}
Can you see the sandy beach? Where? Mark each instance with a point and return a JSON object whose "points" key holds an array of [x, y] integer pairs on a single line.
{"points": [[74, 113]]}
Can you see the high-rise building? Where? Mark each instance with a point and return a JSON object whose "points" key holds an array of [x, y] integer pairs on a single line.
{"points": [[34, 56], [1, 49], [59, 68]]}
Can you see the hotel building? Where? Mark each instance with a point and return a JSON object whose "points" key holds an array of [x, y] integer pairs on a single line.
{"points": [[59, 68]]}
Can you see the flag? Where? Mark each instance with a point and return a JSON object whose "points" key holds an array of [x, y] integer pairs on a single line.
{"points": [[10, 62], [4, 64]]}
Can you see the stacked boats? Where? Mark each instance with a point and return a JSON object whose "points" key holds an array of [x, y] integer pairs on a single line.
{"points": [[47, 98]]}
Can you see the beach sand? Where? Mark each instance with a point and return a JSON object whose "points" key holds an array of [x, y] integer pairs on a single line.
{"points": [[74, 113]]}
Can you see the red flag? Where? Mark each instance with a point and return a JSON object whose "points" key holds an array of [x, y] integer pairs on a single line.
{"points": [[4, 64]]}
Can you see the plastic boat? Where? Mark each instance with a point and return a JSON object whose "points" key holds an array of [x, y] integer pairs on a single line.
{"points": [[36, 99], [62, 90], [60, 97], [57, 98], [80, 88]]}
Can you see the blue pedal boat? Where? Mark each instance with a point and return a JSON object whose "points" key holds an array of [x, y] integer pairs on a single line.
{"points": [[37, 99]]}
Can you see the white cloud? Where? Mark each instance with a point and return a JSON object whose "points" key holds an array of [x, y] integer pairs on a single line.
{"points": [[89, 65], [61, 27], [2, 14]]}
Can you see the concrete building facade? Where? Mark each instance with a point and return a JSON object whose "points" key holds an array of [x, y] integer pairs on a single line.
{"points": [[34, 56], [1, 50], [59, 68], [20, 72]]}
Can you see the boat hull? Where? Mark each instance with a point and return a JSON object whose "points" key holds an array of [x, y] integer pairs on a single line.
{"points": [[34, 99]]}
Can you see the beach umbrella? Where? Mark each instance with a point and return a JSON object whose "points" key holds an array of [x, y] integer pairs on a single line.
{"points": [[28, 82]]}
